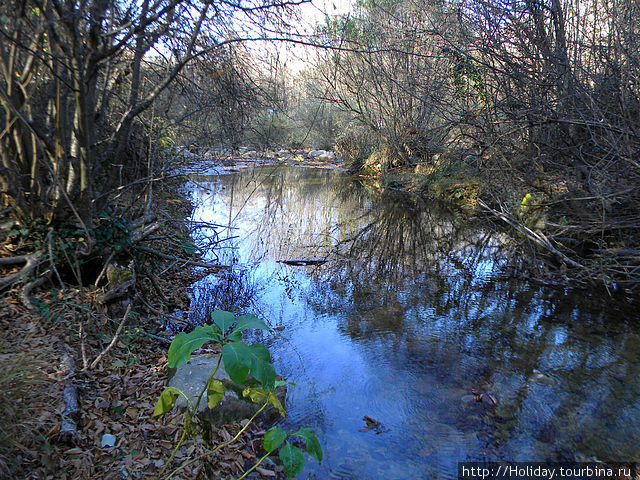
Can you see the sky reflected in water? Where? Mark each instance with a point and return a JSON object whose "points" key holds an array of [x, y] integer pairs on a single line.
{"points": [[414, 321]]}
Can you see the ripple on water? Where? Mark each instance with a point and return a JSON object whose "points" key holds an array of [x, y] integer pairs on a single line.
{"points": [[344, 471]]}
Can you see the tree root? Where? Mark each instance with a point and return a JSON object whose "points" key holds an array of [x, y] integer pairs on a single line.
{"points": [[25, 293], [31, 261], [120, 291]]}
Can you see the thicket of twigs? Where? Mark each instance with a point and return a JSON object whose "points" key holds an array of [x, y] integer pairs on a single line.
{"points": [[537, 97]]}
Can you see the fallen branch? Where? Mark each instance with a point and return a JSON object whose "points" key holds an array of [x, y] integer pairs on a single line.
{"points": [[68, 428], [163, 314], [302, 262], [537, 237], [113, 340], [158, 338], [183, 260], [144, 231]]}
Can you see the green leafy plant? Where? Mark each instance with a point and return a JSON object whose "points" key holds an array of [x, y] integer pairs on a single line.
{"points": [[248, 366]]}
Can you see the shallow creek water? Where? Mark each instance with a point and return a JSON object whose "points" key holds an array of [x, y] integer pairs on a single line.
{"points": [[414, 322]]}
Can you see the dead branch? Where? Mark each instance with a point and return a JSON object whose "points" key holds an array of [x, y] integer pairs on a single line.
{"points": [[537, 237], [163, 314], [68, 429], [144, 231], [183, 260], [104, 268], [158, 338]]}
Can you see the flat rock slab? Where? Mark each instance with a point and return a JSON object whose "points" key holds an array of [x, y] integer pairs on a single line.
{"points": [[191, 378]]}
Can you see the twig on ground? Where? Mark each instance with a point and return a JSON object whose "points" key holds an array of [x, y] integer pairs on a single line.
{"points": [[113, 340], [83, 350]]}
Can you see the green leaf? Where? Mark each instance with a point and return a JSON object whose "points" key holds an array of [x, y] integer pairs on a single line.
{"points": [[292, 459], [282, 383], [258, 351], [166, 401], [223, 319], [184, 344], [237, 360], [235, 336], [258, 395], [215, 392], [260, 367], [274, 438], [250, 321], [313, 445]]}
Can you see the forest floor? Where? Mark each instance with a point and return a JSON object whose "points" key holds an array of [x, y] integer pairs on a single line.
{"points": [[116, 397]]}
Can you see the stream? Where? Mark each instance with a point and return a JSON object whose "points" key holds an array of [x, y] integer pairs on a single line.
{"points": [[412, 317]]}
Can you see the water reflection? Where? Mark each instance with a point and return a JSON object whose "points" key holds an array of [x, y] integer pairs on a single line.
{"points": [[412, 322]]}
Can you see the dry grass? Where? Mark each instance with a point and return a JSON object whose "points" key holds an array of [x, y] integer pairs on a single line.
{"points": [[26, 390]]}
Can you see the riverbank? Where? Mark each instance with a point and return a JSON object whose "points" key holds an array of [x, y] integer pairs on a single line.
{"points": [[567, 236], [82, 378]]}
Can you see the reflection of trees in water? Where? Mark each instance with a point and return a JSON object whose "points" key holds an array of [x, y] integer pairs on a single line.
{"points": [[418, 280], [233, 290]]}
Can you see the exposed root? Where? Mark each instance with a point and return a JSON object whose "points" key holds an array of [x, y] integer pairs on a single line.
{"points": [[121, 290], [25, 293], [30, 261]]}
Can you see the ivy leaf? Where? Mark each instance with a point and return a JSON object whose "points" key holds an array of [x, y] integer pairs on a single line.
{"points": [[274, 438], [250, 321], [222, 319], [166, 401], [215, 392], [313, 445], [236, 358], [184, 344], [292, 459]]}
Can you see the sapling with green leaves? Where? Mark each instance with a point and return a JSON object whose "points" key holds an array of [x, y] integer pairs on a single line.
{"points": [[239, 361]]}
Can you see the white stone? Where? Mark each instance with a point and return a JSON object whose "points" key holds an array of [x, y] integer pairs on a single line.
{"points": [[108, 440], [327, 156]]}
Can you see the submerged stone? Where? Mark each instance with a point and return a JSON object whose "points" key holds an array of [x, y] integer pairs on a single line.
{"points": [[542, 379]]}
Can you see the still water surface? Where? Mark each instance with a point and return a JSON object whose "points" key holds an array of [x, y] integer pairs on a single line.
{"points": [[414, 321]]}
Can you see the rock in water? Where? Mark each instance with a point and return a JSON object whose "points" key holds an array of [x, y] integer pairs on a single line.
{"points": [[327, 157]]}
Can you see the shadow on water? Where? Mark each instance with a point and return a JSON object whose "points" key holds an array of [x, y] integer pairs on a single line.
{"points": [[413, 321]]}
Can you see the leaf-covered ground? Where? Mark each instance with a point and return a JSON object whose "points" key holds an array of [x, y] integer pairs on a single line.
{"points": [[117, 397]]}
